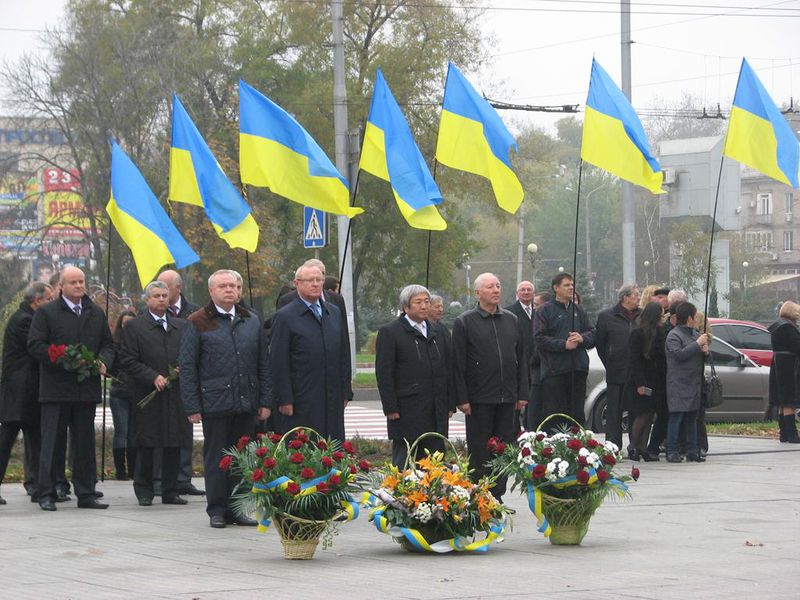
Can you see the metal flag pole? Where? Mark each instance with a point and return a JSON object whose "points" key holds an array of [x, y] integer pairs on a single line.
{"points": [[246, 253], [574, 275], [105, 379], [711, 244], [349, 226]]}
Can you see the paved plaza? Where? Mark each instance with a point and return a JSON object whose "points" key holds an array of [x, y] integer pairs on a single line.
{"points": [[726, 528]]}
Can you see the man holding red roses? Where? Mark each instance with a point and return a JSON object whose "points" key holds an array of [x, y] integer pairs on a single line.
{"points": [[68, 396]]}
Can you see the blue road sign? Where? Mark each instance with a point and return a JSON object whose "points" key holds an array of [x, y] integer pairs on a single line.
{"points": [[314, 230]]}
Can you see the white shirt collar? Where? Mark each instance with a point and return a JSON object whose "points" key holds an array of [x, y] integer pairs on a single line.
{"points": [[156, 318], [70, 303], [222, 311], [177, 304], [423, 325]]}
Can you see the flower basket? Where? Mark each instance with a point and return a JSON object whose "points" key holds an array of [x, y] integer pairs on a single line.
{"points": [[299, 537], [566, 477], [432, 506]]}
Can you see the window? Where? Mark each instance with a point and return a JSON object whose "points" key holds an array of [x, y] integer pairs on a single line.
{"points": [[788, 201], [753, 338], [788, 241], [759, 240], [764, 206], [724, 355]]}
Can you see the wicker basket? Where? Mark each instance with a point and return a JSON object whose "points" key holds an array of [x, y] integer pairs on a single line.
{"points": [[569, 517], [299, 537], [431, 536]]}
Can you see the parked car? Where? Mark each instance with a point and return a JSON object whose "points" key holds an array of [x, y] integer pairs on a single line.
{"points": [[745, 388], [746, 336]]}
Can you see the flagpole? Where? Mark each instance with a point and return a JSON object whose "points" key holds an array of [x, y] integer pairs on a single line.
{"points": [[349, 225], [246, 253], [105, 379], [711, 243], [430, 236], [574, 277]]}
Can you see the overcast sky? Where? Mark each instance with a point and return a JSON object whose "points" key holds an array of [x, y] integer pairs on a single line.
{"points": [[544, 48]]}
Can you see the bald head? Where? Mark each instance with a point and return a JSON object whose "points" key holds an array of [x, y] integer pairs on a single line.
{"points": [[73, 284], [174, 284]]}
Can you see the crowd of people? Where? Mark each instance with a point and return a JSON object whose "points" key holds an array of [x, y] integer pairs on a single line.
{"points": [[175, 364]]}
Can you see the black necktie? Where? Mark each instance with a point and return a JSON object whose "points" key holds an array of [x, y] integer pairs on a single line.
{"points": [[77, 309], [162, 323]]}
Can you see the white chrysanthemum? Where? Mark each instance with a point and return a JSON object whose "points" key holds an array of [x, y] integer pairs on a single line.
{"points": [[460, 492], [611, 447], [424, 512], [553, 465], [583, 452], [528, 436], [593, 459], [562, 468], [412, 477]]}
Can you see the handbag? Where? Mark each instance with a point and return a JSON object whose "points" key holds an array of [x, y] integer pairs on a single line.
{"points": [[712, 389]]}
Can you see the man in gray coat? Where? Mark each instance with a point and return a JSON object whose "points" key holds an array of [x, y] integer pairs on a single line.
{"points": [[686, 352]]}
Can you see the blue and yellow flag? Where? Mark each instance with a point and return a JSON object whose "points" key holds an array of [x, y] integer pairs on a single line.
{"points": [[472, 138], [142, 222], [277, 153], [613, 136], [389, 152], [195, 177], [758, 134]]}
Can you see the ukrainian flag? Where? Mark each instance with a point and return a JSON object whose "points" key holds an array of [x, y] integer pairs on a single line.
{"points": [[472, 138], [195, 177], [277, 153], [613, 136], [141, 221], [758, 134], [389, 152]]}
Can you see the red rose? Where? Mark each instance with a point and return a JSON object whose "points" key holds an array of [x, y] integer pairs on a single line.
{"points": [[301, 435], [295, 444], [364, 465], [243, 441], [608, 459], [53, 353], [348, 447], [353, 469], [337, 456], [582, 461], [525, 452], [260, 435], [602, 476], [322, 445], [307, 473], [539, 471], [334, 480], [540, 437], [547, 452], [582, 476], [322, 487], [592, 443], [574, 445], [574, 429], [635, 473], [225, 463], [500, 448], [327, 461], [258, 475], [275, 437], [261, 452], [269, 463], [296, 458], [293, 488]]}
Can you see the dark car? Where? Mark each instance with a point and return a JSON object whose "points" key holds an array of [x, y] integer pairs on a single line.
{"points": [[748, 337]]}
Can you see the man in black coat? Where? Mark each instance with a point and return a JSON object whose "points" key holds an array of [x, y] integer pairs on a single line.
{"points": [[489, 374], [310, 360], [66, 402], [181, 308], [523, 308], [611, 339], [19, 385], [224, 369], [150, 348], [411, 366]]}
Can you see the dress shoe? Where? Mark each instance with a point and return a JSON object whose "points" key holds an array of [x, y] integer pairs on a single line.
{"points": [[47, 504], [695, 458], [633, 453], [241, 520], [217, 521], [191, 490], [647, 456], [674, 458], [174, 500], [145, 502], [62, 496], [2, 501], [91, 502], [98, 494]]}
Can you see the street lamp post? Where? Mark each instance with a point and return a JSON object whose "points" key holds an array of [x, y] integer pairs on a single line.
{"points": [[467, 269], [745, 264], [533, 250]]}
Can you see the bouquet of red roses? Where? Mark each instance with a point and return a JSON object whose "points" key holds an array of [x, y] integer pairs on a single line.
{"points": [[76, 358]]}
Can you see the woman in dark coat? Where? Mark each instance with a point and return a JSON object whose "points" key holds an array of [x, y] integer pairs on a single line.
{"points": [[784, 374], [122, 409], [647, 377]]}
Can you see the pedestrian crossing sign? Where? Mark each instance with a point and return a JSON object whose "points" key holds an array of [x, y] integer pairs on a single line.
{"points": [[314, 228]]}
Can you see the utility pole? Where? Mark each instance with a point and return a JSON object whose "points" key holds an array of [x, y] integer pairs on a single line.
{"points": [[628, 209], [341, 147], [520, 241]]}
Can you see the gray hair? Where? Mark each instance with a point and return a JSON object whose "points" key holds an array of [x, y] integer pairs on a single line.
{"points": [[154, 285], [435, 299], [308, 265], [480, 279], [230, 272], [35, 291], [677, 295], [626, 290], [315, 262], [408, 292], [238, 277]]}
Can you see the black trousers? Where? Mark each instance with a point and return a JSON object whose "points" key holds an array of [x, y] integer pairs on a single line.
{"points": [[143, 479], [614, 396], [33, 444], [79, 417], [400, 450], [221, 433], [563, 394], [485, 421], [184, 462]]}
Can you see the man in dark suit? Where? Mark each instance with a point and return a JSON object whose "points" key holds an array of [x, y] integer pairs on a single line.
{"points": [[150, 348], [181, 308], [19, 386], [523, 308], [310, 360], [412, 368], [71, 319]]}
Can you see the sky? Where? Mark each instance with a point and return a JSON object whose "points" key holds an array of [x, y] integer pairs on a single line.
{"points": [[544, 48]]}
